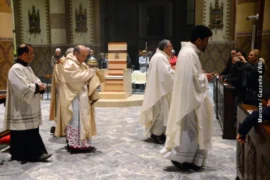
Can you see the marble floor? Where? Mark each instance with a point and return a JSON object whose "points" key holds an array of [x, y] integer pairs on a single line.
{"points": [[122, 153]]}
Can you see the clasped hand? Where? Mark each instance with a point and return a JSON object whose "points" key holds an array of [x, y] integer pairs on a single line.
{"points": [[42, 87]]}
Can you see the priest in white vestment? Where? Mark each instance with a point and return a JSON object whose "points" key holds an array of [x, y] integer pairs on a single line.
{"points": [[189, 128], [77, 94], [55, 94], [157, 96], [23, 112]]}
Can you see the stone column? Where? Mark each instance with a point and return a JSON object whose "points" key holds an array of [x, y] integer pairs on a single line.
{"points": [[6, 41]]}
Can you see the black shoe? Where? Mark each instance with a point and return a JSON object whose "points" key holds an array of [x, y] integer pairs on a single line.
{"points": [[162, 138], [194, 167], [183, 166], [157, 139], [52, 131]]}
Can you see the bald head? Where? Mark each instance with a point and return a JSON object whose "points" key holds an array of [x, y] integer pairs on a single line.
{"points": [[80, 52]]}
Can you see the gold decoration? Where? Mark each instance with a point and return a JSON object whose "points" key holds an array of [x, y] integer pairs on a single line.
{"points": [[34, 21], [81, 20], [116, 56], [216, 16]]}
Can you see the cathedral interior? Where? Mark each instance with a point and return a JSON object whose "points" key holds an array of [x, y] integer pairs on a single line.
{"points": [[122, 152]]}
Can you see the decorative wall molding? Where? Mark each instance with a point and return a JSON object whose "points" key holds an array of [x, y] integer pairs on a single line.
{"points": [[204, 12], [47, 9], [34, 20], [228, 19], [216, 15], [221, 42], [20, 22], [81, 19], [70, 32], [91, 21], [6, 39]]}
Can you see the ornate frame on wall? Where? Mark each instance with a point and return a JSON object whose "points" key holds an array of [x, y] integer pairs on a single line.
{"points": [[216, 16], [81, 20], [34, 21]]}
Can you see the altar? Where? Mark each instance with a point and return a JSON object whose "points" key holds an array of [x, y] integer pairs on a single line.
{"points": [[116, 91]]}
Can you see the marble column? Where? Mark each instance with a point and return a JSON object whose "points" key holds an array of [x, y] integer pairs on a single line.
{"points": [[6, 41]]}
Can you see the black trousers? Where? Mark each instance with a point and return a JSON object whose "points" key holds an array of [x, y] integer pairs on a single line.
{"points": [[26, 145]]}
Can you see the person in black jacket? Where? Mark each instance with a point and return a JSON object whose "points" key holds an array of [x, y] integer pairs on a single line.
{"points": [[228, 66], [250, 76]]}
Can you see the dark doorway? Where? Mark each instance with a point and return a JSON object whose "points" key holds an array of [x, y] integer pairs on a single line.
{"points": [[141, 22]]}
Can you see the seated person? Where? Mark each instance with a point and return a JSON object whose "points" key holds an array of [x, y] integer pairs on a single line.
{"points": [[228, 66], [234, 74], [250, 121], [251, 76]]}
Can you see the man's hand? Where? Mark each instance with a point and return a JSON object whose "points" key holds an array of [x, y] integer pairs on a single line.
{"points": [[268, 102], [42, 87], [221, 77], [240, 138], [242, 59], [209, 76]]}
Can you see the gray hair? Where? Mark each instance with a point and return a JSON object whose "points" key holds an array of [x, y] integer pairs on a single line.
{"points": [[69, 50], [162, 44], [58, 49]]}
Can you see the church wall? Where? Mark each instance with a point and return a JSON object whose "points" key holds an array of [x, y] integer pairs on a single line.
{"points": [[243, 27], [6, 42], [82, 37], [218, 34], [35, 39], [58, 22], [42, 41], [222, 41]]}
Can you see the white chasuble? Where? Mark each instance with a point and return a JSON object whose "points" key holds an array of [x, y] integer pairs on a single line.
{"points": [[191, 112], [157, 96]]}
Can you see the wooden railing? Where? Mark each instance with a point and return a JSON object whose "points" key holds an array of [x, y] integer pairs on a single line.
{"points": [[225, 107], [253, 157]]}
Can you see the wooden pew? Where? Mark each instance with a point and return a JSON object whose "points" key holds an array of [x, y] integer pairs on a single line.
{"points": [[253, 157], [226, 109], [3, 98], [215, 89]]}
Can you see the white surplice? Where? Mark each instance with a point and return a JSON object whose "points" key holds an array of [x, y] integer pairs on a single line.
{"points": [[189, 127], [157, 95], [23, 110]]}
